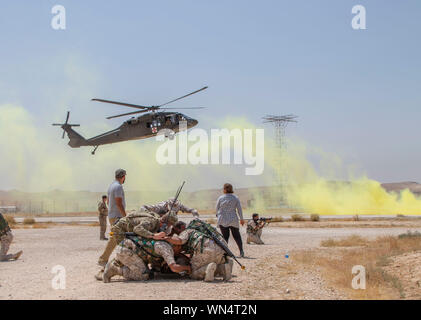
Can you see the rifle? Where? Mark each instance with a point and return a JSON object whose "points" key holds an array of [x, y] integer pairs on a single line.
{"points": [[177, 194], [225, 248], [266, 220], [132, 236]]}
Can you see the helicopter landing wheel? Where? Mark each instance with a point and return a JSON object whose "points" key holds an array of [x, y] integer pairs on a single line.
{"points": [[93, 151]]}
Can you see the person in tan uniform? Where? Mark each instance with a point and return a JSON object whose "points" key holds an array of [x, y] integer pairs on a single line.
{"points": [[208, 259], [164, 206], [103, 213], [254, 229], [6, 238], [144, 224]]}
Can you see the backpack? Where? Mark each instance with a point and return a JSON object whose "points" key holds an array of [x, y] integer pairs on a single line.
{"points": [[145, 249], [203, 231]]}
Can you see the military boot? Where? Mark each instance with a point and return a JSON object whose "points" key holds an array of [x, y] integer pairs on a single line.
{"points": [[227, 270], [100, 275], [17, 255], [112, 269], [210, 272]]}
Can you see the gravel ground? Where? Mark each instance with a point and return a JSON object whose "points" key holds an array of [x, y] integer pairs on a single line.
{"points": [[268, 275]]}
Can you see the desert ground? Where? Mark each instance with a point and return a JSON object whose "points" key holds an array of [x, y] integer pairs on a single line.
{"points": [[286, 267]]}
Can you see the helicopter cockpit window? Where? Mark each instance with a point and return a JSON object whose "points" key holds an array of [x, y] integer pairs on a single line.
{"points": [[132, 121]]}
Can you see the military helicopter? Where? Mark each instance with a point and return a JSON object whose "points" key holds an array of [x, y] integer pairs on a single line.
{"points": [[142, 127]]}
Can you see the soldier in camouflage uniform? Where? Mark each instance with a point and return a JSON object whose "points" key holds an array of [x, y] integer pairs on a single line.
{"points": [[254, 230], [135, 254], [103, 213], [163, 207], [207, 258], [131, 262], [145, 224], [6, 239]]}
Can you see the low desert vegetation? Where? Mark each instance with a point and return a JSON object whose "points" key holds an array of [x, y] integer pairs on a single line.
{"points": [[410, 234], [277, 219], [10, 220], [29, 221], [297, 217], [315, 217], [336, 263], [352, 241]]}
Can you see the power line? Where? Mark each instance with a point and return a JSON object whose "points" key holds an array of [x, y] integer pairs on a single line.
{"points": [[280, 123]]}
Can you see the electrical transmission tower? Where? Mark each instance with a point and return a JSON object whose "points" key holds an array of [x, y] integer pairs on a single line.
{"points": [[280, 123]]}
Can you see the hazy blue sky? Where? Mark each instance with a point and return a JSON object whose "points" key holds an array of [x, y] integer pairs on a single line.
{"points": [[357, 93]]}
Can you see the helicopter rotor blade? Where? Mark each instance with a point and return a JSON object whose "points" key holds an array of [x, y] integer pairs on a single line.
{"points": [[121, 103], [183, 108], [126, 114], [64, 132], [67, 117], [183, 96]]}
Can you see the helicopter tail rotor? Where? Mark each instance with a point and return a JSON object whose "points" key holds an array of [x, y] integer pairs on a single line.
{"points": [[66, 124]]}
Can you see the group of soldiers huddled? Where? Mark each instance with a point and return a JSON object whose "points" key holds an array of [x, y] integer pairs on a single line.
{"points": [[153, 240]]}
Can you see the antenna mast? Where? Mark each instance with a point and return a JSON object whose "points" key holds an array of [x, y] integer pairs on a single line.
{"points": [[280, 123]]}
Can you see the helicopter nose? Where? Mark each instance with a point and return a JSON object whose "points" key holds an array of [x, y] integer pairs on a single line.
{"points": [[193, 122]]}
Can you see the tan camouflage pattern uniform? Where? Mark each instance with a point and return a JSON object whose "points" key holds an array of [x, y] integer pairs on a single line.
{"points": [[6, 239], [254, 232], [144, 224], [200, 260], [134, 266], [163, 207], [103, 213]]}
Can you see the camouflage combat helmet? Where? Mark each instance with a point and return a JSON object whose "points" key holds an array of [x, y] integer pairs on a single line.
{"points": [[170, 218]]}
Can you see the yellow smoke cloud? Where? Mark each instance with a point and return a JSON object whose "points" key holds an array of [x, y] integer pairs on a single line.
{"points": [[321, 191], [34, 158]]}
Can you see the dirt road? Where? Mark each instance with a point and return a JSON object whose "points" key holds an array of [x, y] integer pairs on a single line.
{"points": [[268, 275]]}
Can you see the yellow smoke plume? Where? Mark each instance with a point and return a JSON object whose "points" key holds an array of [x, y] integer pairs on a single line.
{"points": [[34, 158]]}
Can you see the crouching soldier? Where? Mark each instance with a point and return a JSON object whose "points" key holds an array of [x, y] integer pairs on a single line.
{"points": [[207, 258], [254, 229], [136, 253], [6, 239], [164, 207], [143, 224]]}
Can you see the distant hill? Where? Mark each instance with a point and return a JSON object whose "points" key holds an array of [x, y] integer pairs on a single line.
{"points": [[58, 201], [414, 187]]}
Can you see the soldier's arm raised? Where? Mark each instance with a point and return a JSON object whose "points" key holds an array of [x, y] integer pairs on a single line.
{"points": [[194, 212]]}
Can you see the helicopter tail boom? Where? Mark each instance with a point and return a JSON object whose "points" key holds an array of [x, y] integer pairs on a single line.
{"points": [[76, 140]]}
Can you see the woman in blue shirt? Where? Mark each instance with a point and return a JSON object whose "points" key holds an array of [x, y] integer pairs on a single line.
{"points": [[229, 213]]}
